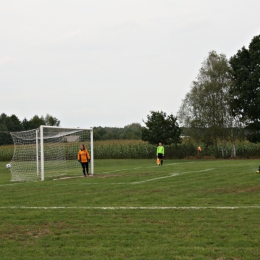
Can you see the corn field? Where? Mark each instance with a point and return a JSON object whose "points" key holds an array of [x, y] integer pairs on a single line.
{"points": [[137, 149], [124, 149], [6, 152]]}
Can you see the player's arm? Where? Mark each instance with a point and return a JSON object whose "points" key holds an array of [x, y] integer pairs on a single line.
{"points": [[79, 157]]}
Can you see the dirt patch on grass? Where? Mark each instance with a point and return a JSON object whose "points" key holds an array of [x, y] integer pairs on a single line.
{"points": [[252, 189], [37, 233], [21, 232]]}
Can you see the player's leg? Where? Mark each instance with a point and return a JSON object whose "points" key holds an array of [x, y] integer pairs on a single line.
{"points": [[87, 168], [83, 169]]}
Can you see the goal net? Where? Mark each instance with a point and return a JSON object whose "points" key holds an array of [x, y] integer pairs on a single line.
{"points": [[49, 151]]}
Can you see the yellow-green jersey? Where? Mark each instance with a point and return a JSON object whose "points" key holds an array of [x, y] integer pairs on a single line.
{"points": [[160, 149]]}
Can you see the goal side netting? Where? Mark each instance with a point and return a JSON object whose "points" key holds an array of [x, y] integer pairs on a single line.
{"points": [[49, 151]]}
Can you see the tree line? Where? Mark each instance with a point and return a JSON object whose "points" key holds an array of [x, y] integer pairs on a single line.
{"points": [[14, 124], [129, 132]]}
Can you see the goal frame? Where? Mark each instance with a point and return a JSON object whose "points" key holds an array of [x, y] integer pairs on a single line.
{"points": [[41, 129]]}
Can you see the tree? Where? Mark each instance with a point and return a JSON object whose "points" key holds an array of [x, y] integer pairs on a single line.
{"points": [[4, 133], [205, 111], [132, 132], [99, 132], [51, 121], [13, 123], [26, 124], [36, 121], [245, 91], [161, 128], [8, 124], [129, 132]]}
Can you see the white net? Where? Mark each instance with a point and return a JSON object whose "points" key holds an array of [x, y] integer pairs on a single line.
{"points": [[51, 153]]}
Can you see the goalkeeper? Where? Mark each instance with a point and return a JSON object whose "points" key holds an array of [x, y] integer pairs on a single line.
{"points": [[160, 153], [84, 158]]}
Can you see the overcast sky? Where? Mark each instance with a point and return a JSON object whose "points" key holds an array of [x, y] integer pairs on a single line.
{"points": [[110, 62]]}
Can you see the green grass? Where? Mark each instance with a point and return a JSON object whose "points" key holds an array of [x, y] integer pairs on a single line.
{"points": [[133, 209]]}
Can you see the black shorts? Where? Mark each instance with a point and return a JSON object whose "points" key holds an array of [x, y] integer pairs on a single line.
{"points": [[160, 155], [84, 164]]}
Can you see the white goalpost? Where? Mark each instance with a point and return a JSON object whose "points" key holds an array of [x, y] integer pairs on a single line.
{"points": [[49, 151]]}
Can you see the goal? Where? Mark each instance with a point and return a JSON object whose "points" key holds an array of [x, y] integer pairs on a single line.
{"points": [[49, 151]]}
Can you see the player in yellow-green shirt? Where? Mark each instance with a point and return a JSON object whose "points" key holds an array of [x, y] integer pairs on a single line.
{"points": [[160, 153]]}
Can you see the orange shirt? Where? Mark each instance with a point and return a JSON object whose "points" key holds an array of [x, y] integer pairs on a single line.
{"points": [[83, 155]]}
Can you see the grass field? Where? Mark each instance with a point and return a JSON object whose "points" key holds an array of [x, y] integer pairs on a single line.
{"points": [[134, 209]]}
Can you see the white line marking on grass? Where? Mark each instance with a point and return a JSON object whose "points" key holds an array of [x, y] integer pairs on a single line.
{"points": [[74, 177], [116, 171], [172, 175], [70, 177], [205, 170], [137, 168], [140, 208], [11, 184], [154, 179], [65, 178]]}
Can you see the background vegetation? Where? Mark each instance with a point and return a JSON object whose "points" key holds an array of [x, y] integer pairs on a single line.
{"points": [[223, 102], [137, 149]]}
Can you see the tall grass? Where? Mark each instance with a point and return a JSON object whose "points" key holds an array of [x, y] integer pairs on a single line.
{"points": [[123, 149], [137, 149], [6, 152]]}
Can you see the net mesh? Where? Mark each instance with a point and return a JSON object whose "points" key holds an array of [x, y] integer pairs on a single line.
{"points": [[60, 149]]}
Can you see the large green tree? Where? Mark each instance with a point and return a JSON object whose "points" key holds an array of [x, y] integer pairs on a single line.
{"points": [[205, 111], [160, 127], [245, 91]]}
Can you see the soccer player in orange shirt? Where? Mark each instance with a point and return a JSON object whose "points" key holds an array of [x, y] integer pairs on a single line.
{"points": [[84, 158]]}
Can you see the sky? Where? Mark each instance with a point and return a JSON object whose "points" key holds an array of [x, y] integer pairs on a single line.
{"points": [[110, 62]]}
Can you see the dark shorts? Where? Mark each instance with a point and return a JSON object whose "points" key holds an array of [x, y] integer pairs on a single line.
{"points": [[84, 165], [160, 155]]}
